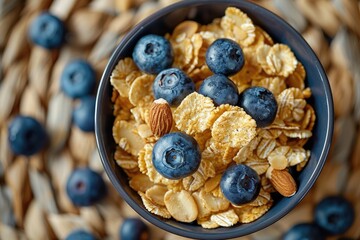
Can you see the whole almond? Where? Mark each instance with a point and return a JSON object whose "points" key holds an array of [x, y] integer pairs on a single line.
{"points": [[282, 181], [160, 118]]}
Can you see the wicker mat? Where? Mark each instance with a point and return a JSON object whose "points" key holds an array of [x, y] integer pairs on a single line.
{"points": [[33, 202]]}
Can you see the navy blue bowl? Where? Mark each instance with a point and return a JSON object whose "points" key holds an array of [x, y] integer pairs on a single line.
{"points": [[204, 11]]}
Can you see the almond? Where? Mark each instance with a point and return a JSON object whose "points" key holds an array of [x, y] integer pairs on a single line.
{"points": [[282, 181], [160, 119]]}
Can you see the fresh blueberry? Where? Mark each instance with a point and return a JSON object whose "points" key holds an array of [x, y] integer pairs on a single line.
{"points": [[80, 235], [78, 79], [220, 89], [176, 155], [26, 135], [260, 104], [153, 53], [47, 31], [134, 229], [225, 56], [334, 215], [84, 114], [85, 187], [240, 184], [304, 231], [173, 85]]}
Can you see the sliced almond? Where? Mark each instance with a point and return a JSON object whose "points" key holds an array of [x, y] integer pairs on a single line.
{"points": [[282, 181], [161, 119]]}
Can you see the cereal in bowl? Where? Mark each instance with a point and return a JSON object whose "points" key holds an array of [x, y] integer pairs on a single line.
{"points": [[212, 142]]}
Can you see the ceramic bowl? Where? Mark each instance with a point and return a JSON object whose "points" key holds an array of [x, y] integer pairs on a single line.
{"points": [[204, 11]]}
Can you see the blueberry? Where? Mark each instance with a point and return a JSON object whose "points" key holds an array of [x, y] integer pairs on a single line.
{"points": [[26, 135], [260, 104], [220, 89], [240, 184], [334, 215], [225, 56], [176, 155], [80, 235], [153, 53], [78, 79], [304, 231], [47, 31], [134, 229], [84, 114], [85, 187], [173, 85]]}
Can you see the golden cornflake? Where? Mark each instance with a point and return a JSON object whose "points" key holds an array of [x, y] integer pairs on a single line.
{"points": [[218, 154], [141, 114], [122, 107], [297, 78], [237, 25], [234, 129], [124, 73], [193, 114], [184, 51], [280, 60], [126, 131], [202, 138], [275, 84], [249, 213], [267, 39], [225, 219], [125, 160], [219, 111], [277, 59]]}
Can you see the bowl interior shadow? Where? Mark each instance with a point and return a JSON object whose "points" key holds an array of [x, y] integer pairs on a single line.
{"points": [[204, 12]]}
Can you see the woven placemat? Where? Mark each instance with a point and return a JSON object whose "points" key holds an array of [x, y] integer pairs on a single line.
{"points": [[33, 201]]}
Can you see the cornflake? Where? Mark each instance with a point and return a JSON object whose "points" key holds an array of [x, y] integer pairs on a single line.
{"points": [[234, 129], [193, 114], [123, 76], [249, 213], [237, 25], [226, 134]]}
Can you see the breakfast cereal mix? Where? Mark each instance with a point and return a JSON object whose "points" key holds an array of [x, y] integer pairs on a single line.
{"points": [[225, 135]]}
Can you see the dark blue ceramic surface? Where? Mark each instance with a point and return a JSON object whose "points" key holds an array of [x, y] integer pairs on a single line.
{"points": [[204, 11]]}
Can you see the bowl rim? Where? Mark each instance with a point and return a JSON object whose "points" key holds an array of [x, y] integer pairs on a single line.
{"points": [[231, 232]]}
